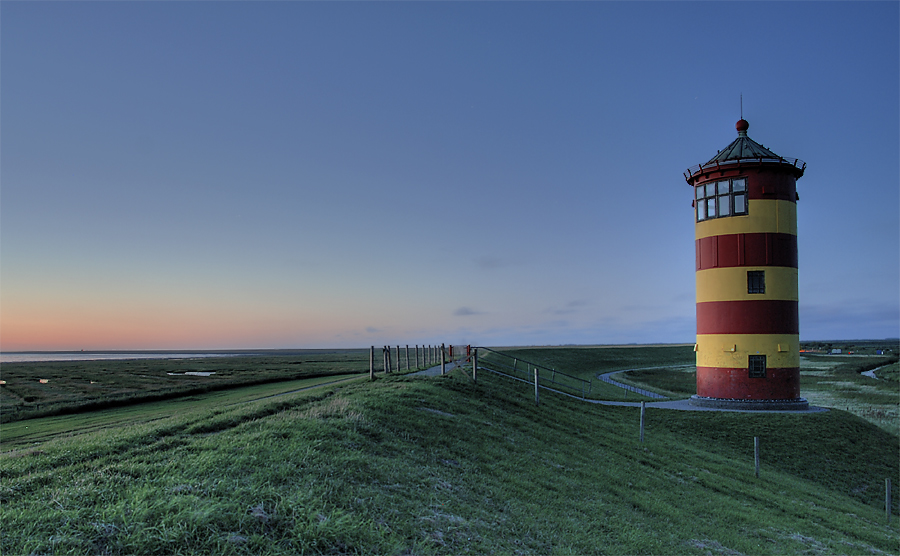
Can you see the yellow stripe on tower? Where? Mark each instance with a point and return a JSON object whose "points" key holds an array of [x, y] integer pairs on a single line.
{"points": [[730, 284], [731, 350], [764, 216]]}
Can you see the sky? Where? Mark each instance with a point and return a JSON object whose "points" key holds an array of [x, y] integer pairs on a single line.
{"points": [[249, 175]]}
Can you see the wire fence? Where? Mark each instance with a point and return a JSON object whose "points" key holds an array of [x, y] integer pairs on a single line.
{"points": [[502, 363], [399, 359]]}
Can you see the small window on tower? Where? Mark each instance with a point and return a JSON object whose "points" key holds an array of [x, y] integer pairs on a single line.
{"points": [[757, 366], [756, 281]]}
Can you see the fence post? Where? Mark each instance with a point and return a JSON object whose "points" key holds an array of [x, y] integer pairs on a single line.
{"points": [[887, 499], [407, 357], [443, 365], [372, 363], [537, 398], [398, 359], [756, 455], [643, 409], [475, 366], [417, 356], [384, 365]]}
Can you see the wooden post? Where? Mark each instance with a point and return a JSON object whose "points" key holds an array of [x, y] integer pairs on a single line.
{"points": [[475, 365], [398, 359], [372, 363], [443, 364], [417, 356], [756, 455], [407, 357], [643, 410], [887, 499], [384, 365]]}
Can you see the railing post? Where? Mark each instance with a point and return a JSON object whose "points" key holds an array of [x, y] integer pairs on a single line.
{"points": [[537, 398], [443, 363], [417, 356], [756, 455], [475, 365], [372, 363], [887, 499], [407, 357], [643, 409], [398, 359]]}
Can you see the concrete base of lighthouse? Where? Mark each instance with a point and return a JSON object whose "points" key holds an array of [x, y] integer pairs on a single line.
{"points": [[798, 404]]}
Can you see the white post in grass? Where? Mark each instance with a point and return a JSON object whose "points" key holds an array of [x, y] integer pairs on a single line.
{"points": [[443, 361], [643, 409], [372, 363], [756, 455], [407, 357], [537, 397], [475, 365]]}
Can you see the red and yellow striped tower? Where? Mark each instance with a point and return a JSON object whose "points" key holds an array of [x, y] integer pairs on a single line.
{"points": [[748, 331]]}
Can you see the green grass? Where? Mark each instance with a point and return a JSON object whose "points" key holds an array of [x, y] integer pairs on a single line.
{"points": [[835, 381], [412, 465], [589, 361], [90, 385], [675, 383], [29, 431]]}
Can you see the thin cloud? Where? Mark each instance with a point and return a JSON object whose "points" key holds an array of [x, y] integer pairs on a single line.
{"points": [[466, 311]]}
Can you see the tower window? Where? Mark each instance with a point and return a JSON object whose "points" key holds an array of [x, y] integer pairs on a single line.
{"points": [[723, 198], [756, 281], [757, 366]]}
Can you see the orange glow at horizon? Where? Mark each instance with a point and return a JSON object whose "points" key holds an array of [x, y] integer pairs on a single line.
{"points": [[99, 328]]}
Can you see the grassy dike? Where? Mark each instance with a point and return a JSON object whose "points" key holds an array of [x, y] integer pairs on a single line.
{"points": [[412, 465]]}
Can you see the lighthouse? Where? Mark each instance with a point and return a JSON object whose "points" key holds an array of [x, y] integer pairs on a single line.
{"points": [[748, 329]]}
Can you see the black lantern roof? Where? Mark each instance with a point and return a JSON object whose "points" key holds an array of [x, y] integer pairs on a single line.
{"points": [[744, 150]]}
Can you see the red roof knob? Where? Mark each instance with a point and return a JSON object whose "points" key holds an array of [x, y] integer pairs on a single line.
{"points": [[742, 125]]}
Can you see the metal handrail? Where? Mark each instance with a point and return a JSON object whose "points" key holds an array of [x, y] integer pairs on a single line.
{"points": [[697, 168], [550, 374]]}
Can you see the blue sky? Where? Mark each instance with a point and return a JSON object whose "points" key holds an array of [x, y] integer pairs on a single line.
{"points": [[290, 174]]}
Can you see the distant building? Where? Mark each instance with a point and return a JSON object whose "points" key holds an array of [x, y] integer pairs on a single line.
{"points": [[748, 331], [836, 350]]}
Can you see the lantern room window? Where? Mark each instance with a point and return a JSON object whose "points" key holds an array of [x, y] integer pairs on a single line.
{"points": [[719, 199]]}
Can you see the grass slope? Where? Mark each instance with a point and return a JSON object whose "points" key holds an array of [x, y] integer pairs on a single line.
{"points": [[40, 388], [411, 465]]}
